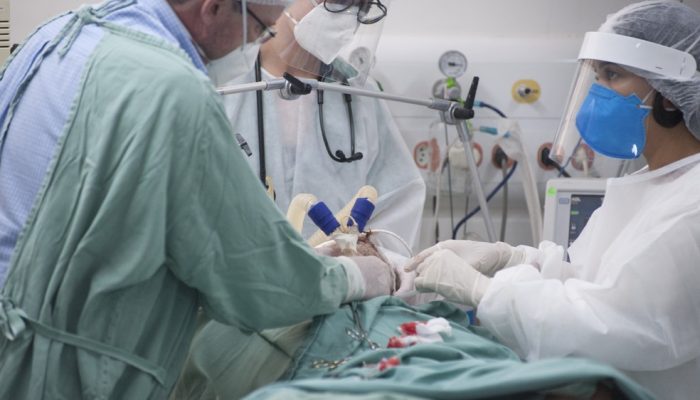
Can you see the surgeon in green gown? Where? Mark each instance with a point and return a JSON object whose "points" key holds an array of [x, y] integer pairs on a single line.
{"points": [[125, 206]]}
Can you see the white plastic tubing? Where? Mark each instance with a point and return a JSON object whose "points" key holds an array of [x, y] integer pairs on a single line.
{"points": [[512, 145]]}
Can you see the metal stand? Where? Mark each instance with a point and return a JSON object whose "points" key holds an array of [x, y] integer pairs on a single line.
{"points": [[453, 112]]}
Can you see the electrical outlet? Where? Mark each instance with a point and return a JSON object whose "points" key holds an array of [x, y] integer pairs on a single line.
{"points": [[498, 156], [543, 157], [426, 155]]}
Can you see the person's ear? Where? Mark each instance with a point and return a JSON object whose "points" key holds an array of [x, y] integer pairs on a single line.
{"points": [[665, 113], [211, 10]]}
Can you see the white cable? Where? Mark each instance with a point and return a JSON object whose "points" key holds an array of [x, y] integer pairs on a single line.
{"points": [[399, 238], [582, 158], [374, 231], [438, 189], [325, 243], [438, 183]]}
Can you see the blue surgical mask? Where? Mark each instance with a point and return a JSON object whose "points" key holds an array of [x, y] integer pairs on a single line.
{"points": [[613, 124]]}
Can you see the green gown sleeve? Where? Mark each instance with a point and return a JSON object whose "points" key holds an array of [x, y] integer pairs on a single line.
{"points": [[147, 211], [228, 240]]}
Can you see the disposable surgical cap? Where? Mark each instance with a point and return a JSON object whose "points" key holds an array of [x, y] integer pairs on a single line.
{"points": [[671, 24]]}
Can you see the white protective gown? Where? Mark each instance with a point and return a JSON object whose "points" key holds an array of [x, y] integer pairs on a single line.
{"points": [[631, 295], [297, 160]]}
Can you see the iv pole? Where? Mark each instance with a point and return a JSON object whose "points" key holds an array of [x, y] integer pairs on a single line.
{"points": [[455, 114]]}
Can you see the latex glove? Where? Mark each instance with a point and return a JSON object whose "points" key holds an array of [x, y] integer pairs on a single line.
{"points": [[446, 273], [368, 277], [487, 258], [328, 249], [405, 284]]}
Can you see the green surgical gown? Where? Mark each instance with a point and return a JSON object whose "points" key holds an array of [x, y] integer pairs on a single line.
{"points": [[147, 212]]}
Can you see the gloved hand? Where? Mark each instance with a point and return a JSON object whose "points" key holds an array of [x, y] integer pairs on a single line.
{"points": [[328, 249], [446, 273], [487, 258], [368, 277], [405, 281]]}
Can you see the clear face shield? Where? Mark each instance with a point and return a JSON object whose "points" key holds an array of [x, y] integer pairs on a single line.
{"points": [[257, 20], [604, 123], [262, 20], [332, 39]]}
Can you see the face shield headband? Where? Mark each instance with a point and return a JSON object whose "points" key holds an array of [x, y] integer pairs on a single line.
{"points": [[591, 107]]}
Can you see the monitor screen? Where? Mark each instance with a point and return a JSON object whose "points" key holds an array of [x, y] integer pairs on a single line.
{"points": [[569, 203], [582, 206]]}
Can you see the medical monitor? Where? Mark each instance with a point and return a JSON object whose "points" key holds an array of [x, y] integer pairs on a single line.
{"points": [[568, 205]]}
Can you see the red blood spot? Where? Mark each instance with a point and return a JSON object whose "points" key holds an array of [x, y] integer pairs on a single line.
{"points": [[408, 328], [395, 343], [388, 363]]}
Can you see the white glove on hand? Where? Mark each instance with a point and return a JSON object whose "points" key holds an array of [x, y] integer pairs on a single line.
{"points": [[446, 273], [405, 282], [328, 249], [368, 277], [487, 258]]}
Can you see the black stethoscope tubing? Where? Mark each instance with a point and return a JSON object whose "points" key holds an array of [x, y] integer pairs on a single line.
{"points": [[339, 154]]}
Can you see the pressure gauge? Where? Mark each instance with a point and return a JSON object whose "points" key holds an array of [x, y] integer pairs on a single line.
{"points": [[453, 64]]}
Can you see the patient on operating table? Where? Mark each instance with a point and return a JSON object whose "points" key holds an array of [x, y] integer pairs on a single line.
{"points": [[225, 362], [405, 346], [361, 349]]}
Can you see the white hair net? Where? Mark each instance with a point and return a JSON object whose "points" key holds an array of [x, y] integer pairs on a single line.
{"points": [[671, 24]]}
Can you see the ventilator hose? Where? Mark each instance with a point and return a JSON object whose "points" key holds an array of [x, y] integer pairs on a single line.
{"points": [[366, 191], [298, 209], [488, 198]]}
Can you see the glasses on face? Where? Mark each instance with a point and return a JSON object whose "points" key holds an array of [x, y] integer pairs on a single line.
{"points": [[369, 11], [267, 32]]}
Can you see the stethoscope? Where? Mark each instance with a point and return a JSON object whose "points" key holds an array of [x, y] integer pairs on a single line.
{"points": [[339, 155]]}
